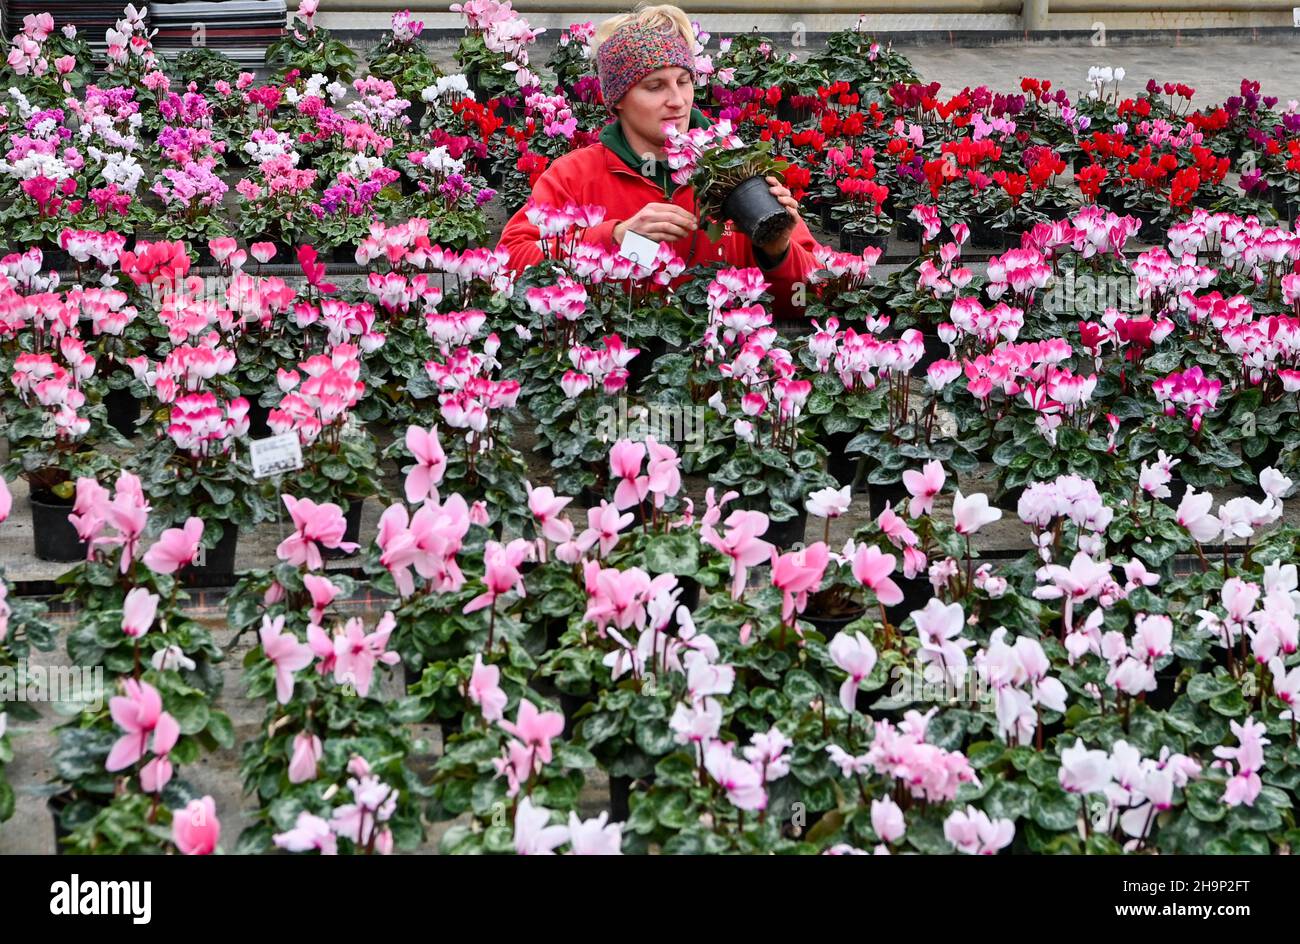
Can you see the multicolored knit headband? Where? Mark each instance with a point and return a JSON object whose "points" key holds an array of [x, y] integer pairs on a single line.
{"points": [[633, 52]]}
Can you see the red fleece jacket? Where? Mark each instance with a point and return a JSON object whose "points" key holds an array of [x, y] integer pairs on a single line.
{"points": [[595, 175]]}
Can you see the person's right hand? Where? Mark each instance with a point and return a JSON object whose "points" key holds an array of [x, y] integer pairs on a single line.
{"points": [[662, 222]]}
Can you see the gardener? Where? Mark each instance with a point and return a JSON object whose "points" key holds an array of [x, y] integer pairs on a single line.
{"points": [[647, 77]]}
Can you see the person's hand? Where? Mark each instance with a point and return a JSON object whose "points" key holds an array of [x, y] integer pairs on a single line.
{"points": [[787, 200], [662, 222]]}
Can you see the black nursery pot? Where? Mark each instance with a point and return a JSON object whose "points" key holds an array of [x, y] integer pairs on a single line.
{"points": [[936, 349], [219, 560], [785, 534], [828, 626], [917, 591], [894, 494], [258, 427], [620, 790], [757, 213], [353, 531], [56, 538], [839, 466], [858, 243], [123, 410]]}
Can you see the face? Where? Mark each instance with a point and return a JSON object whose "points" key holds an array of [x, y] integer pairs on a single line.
{"points": [[665, 95]]}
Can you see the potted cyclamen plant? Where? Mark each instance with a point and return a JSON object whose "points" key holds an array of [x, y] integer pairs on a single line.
{"points": [[729, 178], [52, 428]]}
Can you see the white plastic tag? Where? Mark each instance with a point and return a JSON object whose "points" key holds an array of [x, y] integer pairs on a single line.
{"points": [[637, 248], [275, 455]]}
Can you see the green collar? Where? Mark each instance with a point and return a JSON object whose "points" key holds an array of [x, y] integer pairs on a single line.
{"points": [[612, 137]]}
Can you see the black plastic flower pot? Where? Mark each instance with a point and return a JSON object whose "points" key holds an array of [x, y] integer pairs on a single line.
{"points": [[344, 255], [908, 229], [828, 626], [757, 213], [450, 726], [987, 237], [858, 243], [786, 534], [1008, 499], [123, 410], [828, 224], [1177, 490], [620, 792], [258, 427], [936, 349], [353, 531], [57, 804], [690, 597], [217, 561], [917, 591], [54, 259], [641, 366], [56, 538], [845, 469], [892, 494], [1268, 458]]}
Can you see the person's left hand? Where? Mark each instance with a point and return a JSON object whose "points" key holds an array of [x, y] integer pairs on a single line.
{"points": [[787, 200]]}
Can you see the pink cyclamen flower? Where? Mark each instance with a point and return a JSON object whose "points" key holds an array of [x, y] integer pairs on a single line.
{"points": [[797, 574], [423, 478], [138, 713], [923, 486], [315, 526], [356, 652], [535, 728], [741, 543], [196, 829], [175, 548], [485, 690], [856, 656], [138, 612], [501, 564], [287, 654], [546, 507], [307, 752], [872, 570], [742, 783], [532, 834], [323, 591], [6, 500], [829, 502], [625, 460], [971, 513]]}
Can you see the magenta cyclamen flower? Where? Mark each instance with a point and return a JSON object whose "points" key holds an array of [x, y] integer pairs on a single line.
{"points": [[196, 829], [625, 460]]}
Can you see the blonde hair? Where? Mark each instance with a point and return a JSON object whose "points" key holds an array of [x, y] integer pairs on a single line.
{"points": [[663, 16]]}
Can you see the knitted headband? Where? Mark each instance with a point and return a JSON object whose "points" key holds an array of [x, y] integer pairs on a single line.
{"points": [[632, 53]]}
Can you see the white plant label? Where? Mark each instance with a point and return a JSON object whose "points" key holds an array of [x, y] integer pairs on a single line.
{"points": [[637, 248], [275, 455]]}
